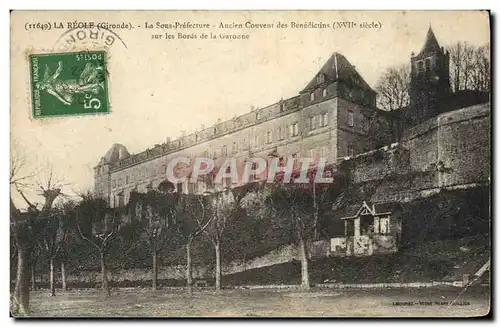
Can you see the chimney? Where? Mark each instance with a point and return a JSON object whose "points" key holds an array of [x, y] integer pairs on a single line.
{"points": [[202, 126], [168, 139], [219, 120], [183, 133]]}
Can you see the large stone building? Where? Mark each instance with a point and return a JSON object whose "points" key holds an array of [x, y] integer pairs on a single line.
{"points": [[328, 118], [334, 116]]}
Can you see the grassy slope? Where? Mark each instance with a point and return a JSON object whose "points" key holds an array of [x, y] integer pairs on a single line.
{"points": [[443, 260]]}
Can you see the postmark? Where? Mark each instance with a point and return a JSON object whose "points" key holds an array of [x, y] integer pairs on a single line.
{"points": [[89, 38], [72, 83]]}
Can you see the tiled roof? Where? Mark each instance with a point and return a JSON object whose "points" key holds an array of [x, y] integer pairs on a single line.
{"points": [[431, 44], [116, 153], [337, 68]]}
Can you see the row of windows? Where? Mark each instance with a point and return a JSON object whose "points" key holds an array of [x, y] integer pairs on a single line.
{"points": [[140, 174], [313, 95], [318, 121], [293, 130], [426, 64]]}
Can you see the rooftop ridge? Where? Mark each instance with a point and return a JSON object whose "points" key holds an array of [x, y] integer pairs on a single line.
{"points": [[290, 101]]}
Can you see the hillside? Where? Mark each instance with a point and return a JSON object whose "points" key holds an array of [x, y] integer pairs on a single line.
{"points": [[435, 261]]}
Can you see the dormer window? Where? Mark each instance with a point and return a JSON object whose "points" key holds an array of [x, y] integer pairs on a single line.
{"points": [[320, 78]]}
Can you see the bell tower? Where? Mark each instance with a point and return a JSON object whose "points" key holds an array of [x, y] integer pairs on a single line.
{"points": [[430, 80]]}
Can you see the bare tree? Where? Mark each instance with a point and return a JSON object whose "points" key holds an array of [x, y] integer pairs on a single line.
{"points": [[221, 206], [292, 205], [23, 224], [456, 57], [393, 88], [468, 65], [54, 232], [99, 226], [20, 175], [481, 74], [158, 213], [67, 223], [193, 222]]}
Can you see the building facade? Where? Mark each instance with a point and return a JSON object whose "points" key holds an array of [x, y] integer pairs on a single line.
{"points": [[329, 118], [333, 117]]}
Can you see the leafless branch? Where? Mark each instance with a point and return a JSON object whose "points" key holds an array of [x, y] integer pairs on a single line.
{"points": [[86, 238]]}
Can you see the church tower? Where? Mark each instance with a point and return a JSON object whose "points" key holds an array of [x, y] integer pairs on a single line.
{"points": [[430, 80]]}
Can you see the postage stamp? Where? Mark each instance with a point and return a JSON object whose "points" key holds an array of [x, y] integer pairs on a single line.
{"points": [[73, 83]]}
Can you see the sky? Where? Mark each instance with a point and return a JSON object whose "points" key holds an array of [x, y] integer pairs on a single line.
{"points": [[159, 88]]}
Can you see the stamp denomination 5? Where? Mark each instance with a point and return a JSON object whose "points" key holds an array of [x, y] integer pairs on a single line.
{"points": [[69, 83]]}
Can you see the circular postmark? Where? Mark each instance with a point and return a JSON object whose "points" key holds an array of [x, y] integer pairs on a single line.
{"points": [[87, 38]]}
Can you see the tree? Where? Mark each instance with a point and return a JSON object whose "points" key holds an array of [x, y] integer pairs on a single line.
{"points": [[51, 233], [67, 224], [292, 205], [23, 224], [480, 77], [461, 58], [158, 213], [221, 206], [393, 88], [246, 217], [25, 239], [470, 67], [99, 225], [193, 220]]}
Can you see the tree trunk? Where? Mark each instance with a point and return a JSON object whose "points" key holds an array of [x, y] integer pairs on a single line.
{"points": [[22, 291], [304, 264], [63, 277], [189, 274], [33, 277], [104, 276], [155, 271], [315, 207], [218, 272], [52, 278]]}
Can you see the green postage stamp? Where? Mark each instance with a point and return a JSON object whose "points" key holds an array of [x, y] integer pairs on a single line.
{"points": [[73, 83]]}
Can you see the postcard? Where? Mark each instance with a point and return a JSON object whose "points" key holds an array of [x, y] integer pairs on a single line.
{"points": [[250, 163]]}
